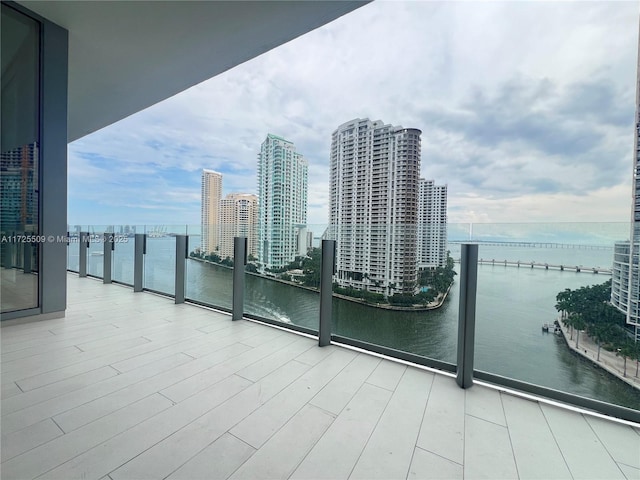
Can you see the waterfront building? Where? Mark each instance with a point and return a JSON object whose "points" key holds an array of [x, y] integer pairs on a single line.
{"points": [[282, 198], [625, 284], [238, 218], [432, 225], [374, 186], [211, 193]]}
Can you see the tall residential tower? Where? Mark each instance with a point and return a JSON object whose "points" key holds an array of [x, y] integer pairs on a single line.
{"points": [[374, 186], [432, 225], [282, 198], [238, 218], [625, 284], [211, 193]]}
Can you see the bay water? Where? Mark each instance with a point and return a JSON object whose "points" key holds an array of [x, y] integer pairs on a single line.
{"points": [[512, 305]]}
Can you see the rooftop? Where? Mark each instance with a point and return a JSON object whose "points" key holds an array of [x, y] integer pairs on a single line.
{"points": [[134, 386]]}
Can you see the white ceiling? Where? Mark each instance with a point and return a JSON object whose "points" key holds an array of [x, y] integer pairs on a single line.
{"points": [[125, 56]]}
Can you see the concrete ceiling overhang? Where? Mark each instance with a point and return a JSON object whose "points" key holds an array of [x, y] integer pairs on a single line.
{"points": [[125, 56]]}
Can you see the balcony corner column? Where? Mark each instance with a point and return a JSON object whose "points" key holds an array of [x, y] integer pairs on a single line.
{"points": [[326, 291], [467, 314], [182, 253], [239, 263]]}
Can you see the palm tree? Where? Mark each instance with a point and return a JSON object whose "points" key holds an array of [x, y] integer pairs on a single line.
{"points": [[564, 302], [576, 321], [627, 350]]}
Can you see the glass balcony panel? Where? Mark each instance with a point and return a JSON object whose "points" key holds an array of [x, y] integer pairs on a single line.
{"points": [[208, 282], [160, 259], [372, 305], [123, 253], [281, 291], [73, 251], [521, 271], [95, 258]]}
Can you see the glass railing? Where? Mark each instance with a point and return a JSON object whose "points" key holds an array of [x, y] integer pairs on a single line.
{"points": [[207, 282], [521, 335], [521, 270], [160, 258], [282, 281], [123, 253], [73, 252], [95, 253]]}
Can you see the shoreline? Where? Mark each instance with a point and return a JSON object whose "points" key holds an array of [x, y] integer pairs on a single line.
{"points": [[608, 362], [386, 306]]}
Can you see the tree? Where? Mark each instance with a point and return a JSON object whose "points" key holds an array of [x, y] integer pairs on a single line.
{"points": [[227, 262], [250, 267], [576, 321], [627, 350]]}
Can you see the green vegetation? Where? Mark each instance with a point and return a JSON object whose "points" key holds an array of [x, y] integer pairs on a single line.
{"points": [[588, 308], [440, 278], [226, 262], [365, 295], [437, 280]]}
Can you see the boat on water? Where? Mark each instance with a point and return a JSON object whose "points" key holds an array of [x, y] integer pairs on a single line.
{"points": [[551, 327]]}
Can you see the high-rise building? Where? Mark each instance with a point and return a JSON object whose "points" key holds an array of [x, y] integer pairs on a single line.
{"points": [[374, 186], [210, 211], [625, 283], [19, 189], [238, 218], [432, 225], [282, 198]]}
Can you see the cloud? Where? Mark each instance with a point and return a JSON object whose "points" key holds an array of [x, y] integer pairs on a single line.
{"points": [[519, 103]]}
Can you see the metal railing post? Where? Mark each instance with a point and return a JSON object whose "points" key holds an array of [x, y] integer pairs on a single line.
{"points": [[239, 262], [138, 261], [467, 314], [326, 291], [182, 253], [26, 260], [109, 245], [83, 242], [7, 254]]}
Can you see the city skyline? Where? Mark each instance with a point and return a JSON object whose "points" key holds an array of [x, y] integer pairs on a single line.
{"points": [[513, 122]]}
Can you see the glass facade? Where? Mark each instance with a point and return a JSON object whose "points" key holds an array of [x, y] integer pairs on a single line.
{"points": [[19, 161]]}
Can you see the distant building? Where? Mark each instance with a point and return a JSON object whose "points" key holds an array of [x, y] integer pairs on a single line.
{"points": [[211, 193], [374, 187], [19, 189], [282, 198], [238, 218], [625, 283], [432, 225]]}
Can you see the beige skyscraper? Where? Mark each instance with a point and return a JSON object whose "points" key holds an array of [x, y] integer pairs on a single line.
{"points": [[211, 195], [238, 218]]}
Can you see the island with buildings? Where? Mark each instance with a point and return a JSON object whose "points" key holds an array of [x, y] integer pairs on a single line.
{"points": [[389, 224]]}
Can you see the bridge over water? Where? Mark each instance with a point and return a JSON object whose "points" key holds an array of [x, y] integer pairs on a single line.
{"points": [[546, 266], [535, 244]]}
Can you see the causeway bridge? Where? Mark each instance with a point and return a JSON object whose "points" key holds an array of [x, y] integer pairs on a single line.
{"points": [[546, 266], [535, 244]]}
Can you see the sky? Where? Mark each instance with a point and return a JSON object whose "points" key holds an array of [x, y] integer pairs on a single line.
{"points": [[526, 108]]}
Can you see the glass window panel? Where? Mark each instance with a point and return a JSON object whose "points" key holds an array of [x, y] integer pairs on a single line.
{"points": [[19, 212]]}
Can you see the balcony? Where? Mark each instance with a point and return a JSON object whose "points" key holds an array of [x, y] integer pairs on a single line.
{"points": [[124, 366], [131, 385]]}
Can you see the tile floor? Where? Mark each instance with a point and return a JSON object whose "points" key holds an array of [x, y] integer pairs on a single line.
{"points": [[132, 386]]}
